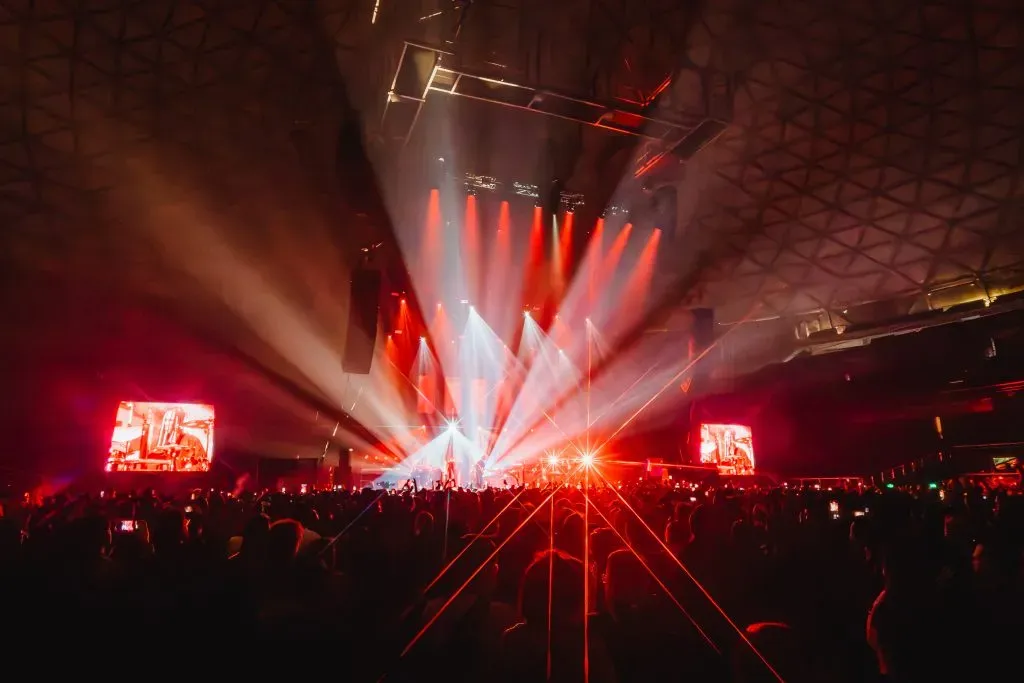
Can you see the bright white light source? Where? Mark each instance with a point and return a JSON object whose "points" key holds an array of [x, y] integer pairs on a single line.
{"points": [[423, 340], [552, 460], [376, 11], [587, 459], [452, 425]]}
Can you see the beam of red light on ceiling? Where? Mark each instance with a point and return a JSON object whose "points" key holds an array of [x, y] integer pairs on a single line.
{"points": [[535, 258], [611, 260], [592, 262], [556, 281], [433, 245], [565, 242], [499, 262], [485, 563], [442, 335], [408, 380], [559, 332], [639, 284], [402, 317], [698, 584], [472, 249], [391, 351]]}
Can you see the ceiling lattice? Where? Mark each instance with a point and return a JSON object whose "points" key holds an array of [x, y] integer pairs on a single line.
{"points": [[205, 97], [875, 152]]}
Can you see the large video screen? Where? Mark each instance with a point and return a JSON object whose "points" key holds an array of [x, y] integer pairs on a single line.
{"points": [[728, 447], [161, 437]]}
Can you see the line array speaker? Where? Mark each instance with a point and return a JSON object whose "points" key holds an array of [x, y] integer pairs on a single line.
{"points": [[363, 311]]}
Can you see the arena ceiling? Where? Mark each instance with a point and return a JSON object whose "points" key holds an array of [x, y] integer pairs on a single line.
{"points": [[873, 149], [874, 153]]}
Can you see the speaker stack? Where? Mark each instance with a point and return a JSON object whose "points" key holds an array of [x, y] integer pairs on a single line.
{"points": [[703, 330], [702, 336], [363, 313]]}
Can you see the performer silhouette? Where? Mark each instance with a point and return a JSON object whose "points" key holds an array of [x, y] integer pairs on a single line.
{"points": [[449, 466]]}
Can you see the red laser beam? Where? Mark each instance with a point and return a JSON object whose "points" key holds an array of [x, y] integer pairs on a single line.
{"points": [[654, 576], [697, 583], [474, 539], [490, 558]]}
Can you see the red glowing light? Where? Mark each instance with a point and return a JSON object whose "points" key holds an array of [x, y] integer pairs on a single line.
{"points": [[161, 437]]}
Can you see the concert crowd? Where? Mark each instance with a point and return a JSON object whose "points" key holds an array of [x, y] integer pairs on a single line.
{"points": [[649, 581]]}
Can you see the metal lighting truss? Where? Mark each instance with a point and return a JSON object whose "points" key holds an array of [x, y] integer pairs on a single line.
{"points": [[410, 91]]}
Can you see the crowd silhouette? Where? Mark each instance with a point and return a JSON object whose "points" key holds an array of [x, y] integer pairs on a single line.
{"points": [[641, 582]]}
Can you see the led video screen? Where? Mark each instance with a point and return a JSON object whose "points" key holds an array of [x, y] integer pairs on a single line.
{"points": [[728, 447], [161, 437]]}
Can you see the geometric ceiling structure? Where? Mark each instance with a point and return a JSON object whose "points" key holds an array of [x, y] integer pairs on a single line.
{"points": [[875, 153], [873, 150], [123, 124], [164, 156]]}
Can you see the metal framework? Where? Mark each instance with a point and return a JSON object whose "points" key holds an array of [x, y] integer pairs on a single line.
{"points": [[627, 118]]}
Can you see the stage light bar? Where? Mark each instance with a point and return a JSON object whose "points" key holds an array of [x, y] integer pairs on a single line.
{"points": [[526, 190], [481, 182]]}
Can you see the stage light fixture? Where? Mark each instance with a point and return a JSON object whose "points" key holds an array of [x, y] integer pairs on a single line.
{"points": [[587, 459], [552, 460]]}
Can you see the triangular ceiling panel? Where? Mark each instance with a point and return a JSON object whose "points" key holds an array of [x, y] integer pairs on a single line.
{"points": [[859, 134]]}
